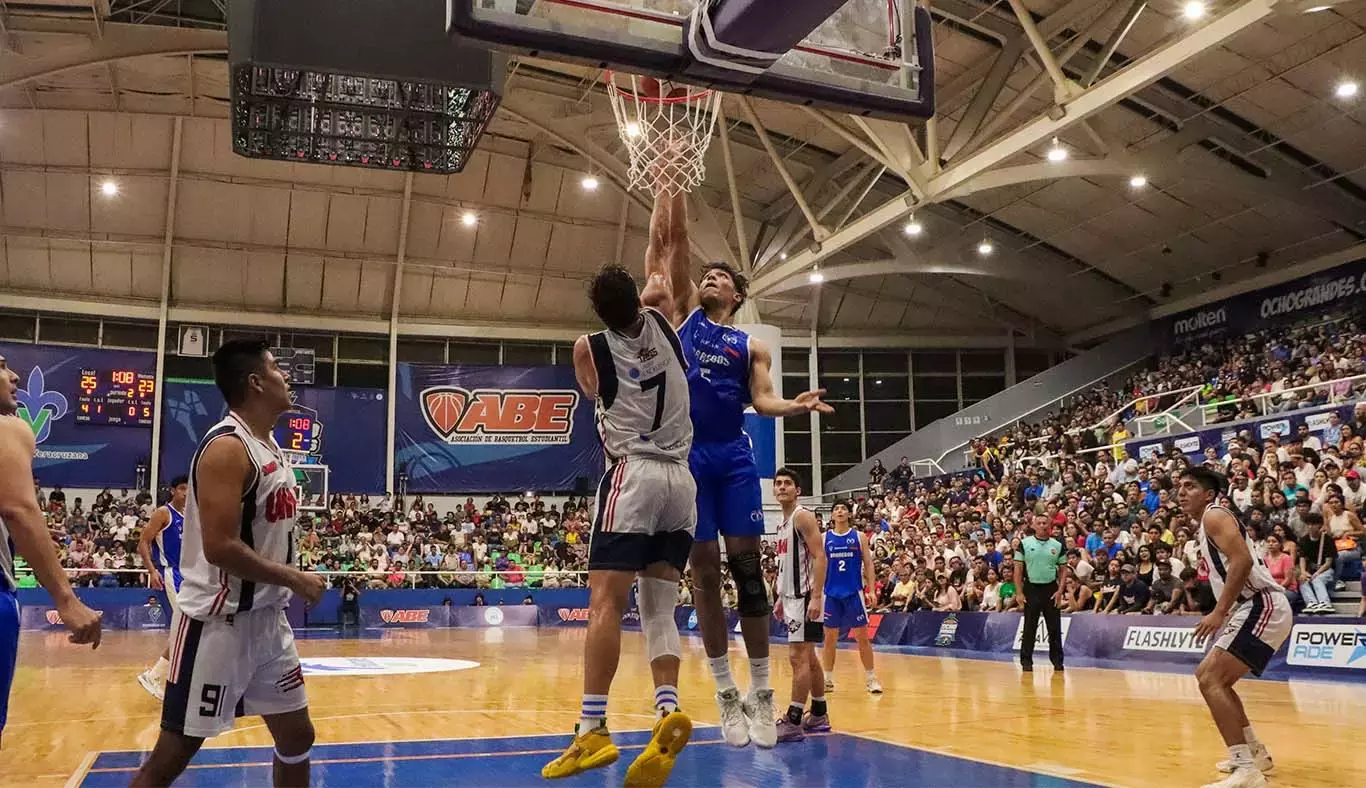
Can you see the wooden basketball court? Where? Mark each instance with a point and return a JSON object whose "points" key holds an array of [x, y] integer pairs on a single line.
{"points": [[74, 714]]}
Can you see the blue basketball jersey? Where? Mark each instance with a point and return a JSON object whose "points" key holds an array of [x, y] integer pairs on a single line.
{"points": [[166, 546], [718, 377], [843, 564]]}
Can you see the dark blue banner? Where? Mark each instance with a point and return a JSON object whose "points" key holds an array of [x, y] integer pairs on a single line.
{"points": [[52, 393], [1325, 291], [345, 431], [1193, 444], [472, 429]]}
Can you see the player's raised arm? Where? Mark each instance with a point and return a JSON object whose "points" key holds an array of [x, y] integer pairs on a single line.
{"points": [[765, 400], [1222, 531], [222, 476], [666, 260], [584, 370], [159, 520], [26, 526]]}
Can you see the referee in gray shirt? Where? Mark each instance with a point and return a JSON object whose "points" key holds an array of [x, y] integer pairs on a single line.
{"points": [[1038, 563]]}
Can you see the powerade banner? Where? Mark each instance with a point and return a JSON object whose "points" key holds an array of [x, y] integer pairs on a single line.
{"points": [[1194, 443], [71, 454], [347, 430], [462, 429], [1321, 292]]}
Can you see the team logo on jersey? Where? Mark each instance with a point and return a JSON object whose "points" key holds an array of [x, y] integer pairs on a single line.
{"points": [[534, 416], [646, 354]]}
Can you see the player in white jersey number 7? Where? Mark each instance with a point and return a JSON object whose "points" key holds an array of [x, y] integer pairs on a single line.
{"points": [[1251, 619]]}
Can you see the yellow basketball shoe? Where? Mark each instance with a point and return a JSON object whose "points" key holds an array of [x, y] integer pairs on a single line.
{"points": [[652, 767], [589, 750]]}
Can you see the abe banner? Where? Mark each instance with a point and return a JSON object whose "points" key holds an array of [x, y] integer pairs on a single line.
{"points": [[346, 431], [1241, 314], [54, 383], [465, 429]]}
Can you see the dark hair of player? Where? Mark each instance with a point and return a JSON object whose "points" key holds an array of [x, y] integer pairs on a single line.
{"points": [[1207, 478], [234, 363], [614, 297], [739, 280], [791, 474]]}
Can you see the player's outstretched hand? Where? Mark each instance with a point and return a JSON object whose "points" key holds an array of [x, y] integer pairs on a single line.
{"points": [[810, 401], [82, 622], [154, 581], [310, 587]]}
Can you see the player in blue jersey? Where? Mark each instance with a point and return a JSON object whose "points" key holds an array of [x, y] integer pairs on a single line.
{"points": [[22, 526], [159, 547], [849, 587], [727, 371]]}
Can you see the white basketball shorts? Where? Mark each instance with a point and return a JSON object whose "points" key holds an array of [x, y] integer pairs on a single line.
{"points": [[800, 626], [646, 513], [1256, 628]]}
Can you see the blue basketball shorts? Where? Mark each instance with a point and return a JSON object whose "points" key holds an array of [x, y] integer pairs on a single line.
{"points": [[9, 649], [845, 612], [729, 500]]}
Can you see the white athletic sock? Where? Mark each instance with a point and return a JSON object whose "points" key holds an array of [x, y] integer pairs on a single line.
{"points": [[870, 674], [594, 713], [758, 674], [1241, 755], [720, 670], [1250, 736], [666, 698], [161, 669]]}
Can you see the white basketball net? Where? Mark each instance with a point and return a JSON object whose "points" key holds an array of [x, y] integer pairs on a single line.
{"points": [[666, 137]]}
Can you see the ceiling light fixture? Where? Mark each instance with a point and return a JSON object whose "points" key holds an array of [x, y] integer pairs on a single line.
{"points": [[1138, 181], [985, 248], [469, 219], [1316, 9], [1057, 153], [1193, 10], [782, 255], [589, 183], [1346, 89], [109, 188], [913, 227], [815, 277]]}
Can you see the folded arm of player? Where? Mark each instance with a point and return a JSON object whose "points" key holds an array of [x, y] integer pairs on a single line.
{"points": [[222, 477], [806, 525], [1223, 532], [26, 527], [584, 369], [869, 579], [766, 401], [159, 520], [669, 286]]}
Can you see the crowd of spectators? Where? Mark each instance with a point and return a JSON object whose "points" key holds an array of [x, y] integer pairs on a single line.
{"points": [[97, 540], [948, 543]]}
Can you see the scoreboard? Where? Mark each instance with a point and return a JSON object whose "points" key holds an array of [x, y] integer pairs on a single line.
{"points": [[116, 397]]}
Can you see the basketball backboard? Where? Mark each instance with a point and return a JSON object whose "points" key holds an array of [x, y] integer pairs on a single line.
{"points": [[852, 63]]}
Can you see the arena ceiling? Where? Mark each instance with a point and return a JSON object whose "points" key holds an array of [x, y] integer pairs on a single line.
{"points": [[1252, 162]]}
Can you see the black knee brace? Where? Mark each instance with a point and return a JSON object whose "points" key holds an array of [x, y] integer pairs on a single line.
{"points": [[749, 584]]}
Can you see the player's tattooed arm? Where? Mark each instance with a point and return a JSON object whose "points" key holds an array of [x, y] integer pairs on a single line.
{"points": [[666, 259], [761, 393]]}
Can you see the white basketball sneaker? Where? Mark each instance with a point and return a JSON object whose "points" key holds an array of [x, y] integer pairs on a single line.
{"points": [[1261, 757], [1243, 777], [762, 714], [734, 726], [829, 684], [153, 687], [874, 686]]}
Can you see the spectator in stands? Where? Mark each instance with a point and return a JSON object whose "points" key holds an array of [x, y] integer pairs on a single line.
{"points": [[1317, 554], [1165, 591], [1344, 526]]}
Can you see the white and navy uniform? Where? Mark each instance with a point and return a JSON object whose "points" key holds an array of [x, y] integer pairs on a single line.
{"points": [[232, 649], [1262, 618], [166, 555], [794, 583], [646, 507]]}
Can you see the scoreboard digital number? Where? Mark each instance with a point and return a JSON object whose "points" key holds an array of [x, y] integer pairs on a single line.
{"points": [[299, 432], [116, 397]]}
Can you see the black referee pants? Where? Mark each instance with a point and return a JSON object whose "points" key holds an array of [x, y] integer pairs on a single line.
{"points": [[1039, 601]]}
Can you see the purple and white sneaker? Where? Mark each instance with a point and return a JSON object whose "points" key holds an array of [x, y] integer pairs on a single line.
{"points": [[813, 724], [789, 731]]}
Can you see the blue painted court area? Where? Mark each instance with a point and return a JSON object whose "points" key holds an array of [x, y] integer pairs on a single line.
{"points": [[834, 759]]}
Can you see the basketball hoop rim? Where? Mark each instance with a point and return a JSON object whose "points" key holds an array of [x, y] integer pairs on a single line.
{"points": [[692, 95]]}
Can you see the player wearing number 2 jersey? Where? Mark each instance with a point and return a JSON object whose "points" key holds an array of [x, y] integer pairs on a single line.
{"points": [[727, 371], [848, 592], [159, 546], [232, 650], [645, 518]]}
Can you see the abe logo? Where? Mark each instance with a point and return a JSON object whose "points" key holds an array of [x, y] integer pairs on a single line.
{"points": [[404, 616], [54, 618], [534, 416], [573, 614]]}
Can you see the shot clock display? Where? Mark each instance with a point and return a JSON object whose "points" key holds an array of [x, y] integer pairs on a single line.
{"points": [[116, 397], [299, 432]]}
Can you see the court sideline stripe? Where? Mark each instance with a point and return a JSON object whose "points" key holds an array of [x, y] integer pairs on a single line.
{"points": [[397, 758], [78, 776], [1014, 767]]}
